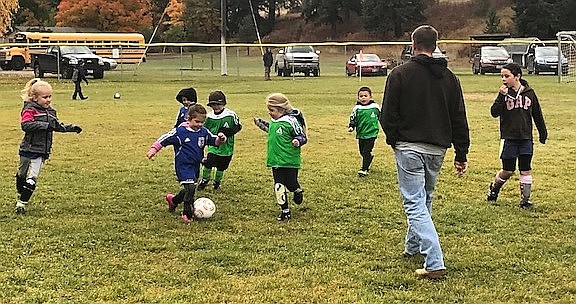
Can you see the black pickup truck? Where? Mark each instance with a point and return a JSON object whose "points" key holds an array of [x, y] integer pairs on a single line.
{"points": [[63, 59]]}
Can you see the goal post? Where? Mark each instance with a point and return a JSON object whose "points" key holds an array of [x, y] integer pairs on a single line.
{"points": [[567, 52]]}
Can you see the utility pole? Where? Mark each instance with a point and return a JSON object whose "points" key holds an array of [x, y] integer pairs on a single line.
{"points": [[223, 17]]}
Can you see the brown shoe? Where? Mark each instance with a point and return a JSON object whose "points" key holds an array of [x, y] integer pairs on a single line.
{"points": [[430, 275]]}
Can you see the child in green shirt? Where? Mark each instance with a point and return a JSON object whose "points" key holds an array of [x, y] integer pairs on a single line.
{"points": [[224, 120], [286, 135], [364, 119]]}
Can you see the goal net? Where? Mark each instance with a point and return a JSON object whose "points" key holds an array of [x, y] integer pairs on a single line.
{"points": [[567, 52]]}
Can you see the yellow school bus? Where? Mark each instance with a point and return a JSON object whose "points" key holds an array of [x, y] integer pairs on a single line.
{"points": [[122, 47]]}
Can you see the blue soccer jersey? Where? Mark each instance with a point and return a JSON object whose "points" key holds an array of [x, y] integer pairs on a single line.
{"points": [[188, 148]]}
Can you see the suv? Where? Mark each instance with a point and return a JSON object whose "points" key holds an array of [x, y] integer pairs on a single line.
{"points": [[298, 59], [490, 59], [407, 53], [545, 59]]}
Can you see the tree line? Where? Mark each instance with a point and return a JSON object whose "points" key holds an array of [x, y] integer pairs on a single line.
{"points": [[199, 20]]}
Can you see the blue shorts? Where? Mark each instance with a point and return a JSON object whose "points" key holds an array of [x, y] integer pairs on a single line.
{"points": [[513, 148]]}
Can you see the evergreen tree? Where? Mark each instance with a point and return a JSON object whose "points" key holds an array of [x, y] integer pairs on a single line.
{"points": [[385, 17], [331, 12], [538, 18], [492, 23]]}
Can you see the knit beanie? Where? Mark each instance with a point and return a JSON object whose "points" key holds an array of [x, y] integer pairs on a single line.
{"points": [[278, 100], [216, 97], [189, 93]]}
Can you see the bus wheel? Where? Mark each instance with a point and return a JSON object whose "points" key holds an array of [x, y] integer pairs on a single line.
{"points": [[18, 63]]}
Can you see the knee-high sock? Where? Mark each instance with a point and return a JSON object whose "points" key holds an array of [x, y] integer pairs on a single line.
{"points": [[20, 182], [189, 190], [498, 182], [27, 190], [281, 195], [218, 176], [525, 187]]}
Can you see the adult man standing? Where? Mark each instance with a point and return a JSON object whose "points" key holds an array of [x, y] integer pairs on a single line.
{"points": [[79, 75], [267, 58], [423, 114]]}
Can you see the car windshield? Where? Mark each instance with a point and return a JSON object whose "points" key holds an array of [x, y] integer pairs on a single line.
{"points": [[368, 58], [300, 49], [546, 51], [495, 52], [75, 49]]}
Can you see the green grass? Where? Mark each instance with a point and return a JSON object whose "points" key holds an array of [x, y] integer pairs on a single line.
{"points": [[97, 230]]}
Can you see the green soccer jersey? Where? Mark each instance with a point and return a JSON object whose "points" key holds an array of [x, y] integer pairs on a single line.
{"points": [[365, 119], [281, 152], [215, 122]]}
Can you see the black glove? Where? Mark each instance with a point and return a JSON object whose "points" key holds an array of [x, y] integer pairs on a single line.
{"points": [[76, 129]]}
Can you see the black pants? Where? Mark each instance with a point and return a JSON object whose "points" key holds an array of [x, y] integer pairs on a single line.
{"points": [[366, 146], [77, 90]]}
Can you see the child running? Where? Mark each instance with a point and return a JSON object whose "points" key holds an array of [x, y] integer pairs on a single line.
{"points": [[516, 105], [187, 97], [188, 140], [220, 119], [38, 121], [286, 135], [364, 119]]}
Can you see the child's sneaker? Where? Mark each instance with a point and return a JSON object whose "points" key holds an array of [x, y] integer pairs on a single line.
{"points": [[186, 219], [203, 183], [20, 207], [170, 201], [299, 196], [492, 195], [216, 185], [526, 204], [362, 173], [284, 215]]}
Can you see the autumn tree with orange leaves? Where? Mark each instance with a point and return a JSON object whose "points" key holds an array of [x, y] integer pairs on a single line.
{"points": [[105, 15], [7, 8]]}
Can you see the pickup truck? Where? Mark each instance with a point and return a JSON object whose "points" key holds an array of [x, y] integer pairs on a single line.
{"points": [[63, 59], [297, 59]]}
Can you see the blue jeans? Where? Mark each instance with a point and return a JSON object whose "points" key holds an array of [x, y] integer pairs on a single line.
{"points": [[417, 176]]}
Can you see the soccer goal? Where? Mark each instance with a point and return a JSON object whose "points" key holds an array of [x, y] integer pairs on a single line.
{"points": [[567, 52]]}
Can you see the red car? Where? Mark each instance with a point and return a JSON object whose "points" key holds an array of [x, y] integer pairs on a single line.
{"points": [[370, 64]]}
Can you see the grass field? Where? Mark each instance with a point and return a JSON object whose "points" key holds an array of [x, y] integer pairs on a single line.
{"points": [[97, 229]]}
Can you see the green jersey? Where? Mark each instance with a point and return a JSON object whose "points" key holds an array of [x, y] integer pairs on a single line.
{"points": [[281, 152], [365, 119], [226, 122]]}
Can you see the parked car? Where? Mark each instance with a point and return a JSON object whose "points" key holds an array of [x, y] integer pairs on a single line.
{"points": [[407, 53], [490, 59], [298, 59], [366, 64], [109, 63], [63, 60], [545, 59]]}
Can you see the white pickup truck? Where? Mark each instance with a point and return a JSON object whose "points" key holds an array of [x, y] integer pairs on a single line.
{"points": [[297, 59]]}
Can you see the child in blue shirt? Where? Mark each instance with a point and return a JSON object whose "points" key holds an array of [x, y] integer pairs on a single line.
{"points": [[189, 140], [187, 97]]}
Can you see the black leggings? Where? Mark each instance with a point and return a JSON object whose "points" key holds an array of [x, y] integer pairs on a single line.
{"points": [[286, 176], [365, 146]]}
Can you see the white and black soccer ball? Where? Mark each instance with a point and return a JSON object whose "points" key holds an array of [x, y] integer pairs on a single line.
{"points": [[116, 95], [204, 208]]}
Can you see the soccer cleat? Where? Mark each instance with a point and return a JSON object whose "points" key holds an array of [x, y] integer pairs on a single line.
{"points": [[203, 183], [284, 215], [492, 194], [525, 204], [186, 219], [362, 173], [170, 201], [299, 196], [20, 208], [216, 185]]}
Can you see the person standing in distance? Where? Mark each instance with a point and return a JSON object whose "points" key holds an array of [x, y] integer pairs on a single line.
{"points": [[267, 58], [79, 75], [423, 114]]}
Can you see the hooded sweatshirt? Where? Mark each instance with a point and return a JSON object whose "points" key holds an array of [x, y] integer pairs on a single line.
{"points": [[516, 111], [423, 103]]}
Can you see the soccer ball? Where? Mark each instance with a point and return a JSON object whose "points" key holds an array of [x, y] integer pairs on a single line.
{"points": [[116, 95], [204, 207]]}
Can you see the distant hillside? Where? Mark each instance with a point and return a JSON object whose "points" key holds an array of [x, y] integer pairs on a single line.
{"points": [[454, 19]]}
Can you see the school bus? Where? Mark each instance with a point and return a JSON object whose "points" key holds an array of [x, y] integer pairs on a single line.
{"points": [[122, 47]]}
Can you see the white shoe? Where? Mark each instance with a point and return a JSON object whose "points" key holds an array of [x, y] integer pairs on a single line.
{"points": [[21, 207]]}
